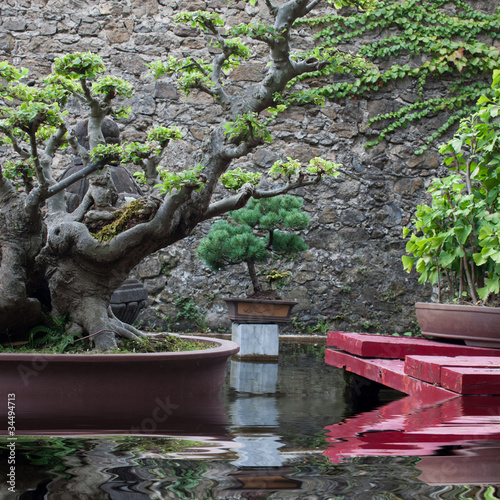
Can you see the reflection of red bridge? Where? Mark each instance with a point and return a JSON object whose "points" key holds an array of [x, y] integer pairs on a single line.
{"points": [[454, 401], [458, 439]]}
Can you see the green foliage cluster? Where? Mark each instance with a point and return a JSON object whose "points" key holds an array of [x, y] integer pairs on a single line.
{"points": [[291, 168], [191, 178], [455, 242], [113, 86], [20, 172], [234, 179], [55, 337], [251, 126], [136, 152], [228, 244], [255, 233], [79, 65], [443, 38], [187, 309], [248, 126], [191, 73]]}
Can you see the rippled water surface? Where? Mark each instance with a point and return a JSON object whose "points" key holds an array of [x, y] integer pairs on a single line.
{"points": [[291, 431]]}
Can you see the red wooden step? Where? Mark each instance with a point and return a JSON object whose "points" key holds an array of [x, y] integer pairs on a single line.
{"points": [[428, 368], [392, 347], [471, 380], [389, 372]]}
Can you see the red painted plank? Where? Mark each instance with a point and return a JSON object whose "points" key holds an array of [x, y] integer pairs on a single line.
{"points": [[471, 380], [428, 368], [390, 373], [392, 347], [331, 338]]}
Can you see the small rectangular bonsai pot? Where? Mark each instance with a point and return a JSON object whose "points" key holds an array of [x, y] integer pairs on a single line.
{"points": [[259, 310]]}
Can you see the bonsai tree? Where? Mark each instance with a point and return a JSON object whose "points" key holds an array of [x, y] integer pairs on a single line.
{"points": [[455, 242], [55, 260], [254, 234]]}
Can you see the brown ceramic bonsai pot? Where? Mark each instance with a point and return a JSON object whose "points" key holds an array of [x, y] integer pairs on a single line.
{"points": [[477, 326], [135, 393], [259, 310]]}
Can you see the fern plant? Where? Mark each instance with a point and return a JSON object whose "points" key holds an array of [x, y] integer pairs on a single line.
{"points": [[52, 336]]}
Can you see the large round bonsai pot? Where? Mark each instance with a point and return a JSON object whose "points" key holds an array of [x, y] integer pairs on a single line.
{"points": [[259, 310], [477, 326], [136, 393]]}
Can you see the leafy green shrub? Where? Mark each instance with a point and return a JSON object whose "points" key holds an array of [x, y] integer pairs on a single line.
{"points": [[455, 243]]}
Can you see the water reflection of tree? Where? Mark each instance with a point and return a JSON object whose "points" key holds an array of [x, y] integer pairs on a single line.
{"points": [[94, 467], [109, 468]]}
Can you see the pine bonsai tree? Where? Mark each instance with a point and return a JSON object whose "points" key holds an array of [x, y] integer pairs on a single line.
{"points": [[255, 234]]}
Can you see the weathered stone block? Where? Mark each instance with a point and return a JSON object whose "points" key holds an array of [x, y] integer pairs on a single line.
{"points": [[14, 24], [142, 8], [145, 105], [164, 90], [149, 268], [255, 340], [248, 72], [117, 32], [406, 187], [6, 42], [344, 130], [48, 29]]}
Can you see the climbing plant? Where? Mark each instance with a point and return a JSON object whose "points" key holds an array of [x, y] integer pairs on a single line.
{"points": [[431, 39]]}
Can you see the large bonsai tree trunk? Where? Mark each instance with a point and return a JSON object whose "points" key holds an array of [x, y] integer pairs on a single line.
{"points": [[81, 281], [82, 294], [21, 239]]}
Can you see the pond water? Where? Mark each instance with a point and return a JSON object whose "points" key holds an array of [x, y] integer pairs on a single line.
{"points": [[292, 431]]}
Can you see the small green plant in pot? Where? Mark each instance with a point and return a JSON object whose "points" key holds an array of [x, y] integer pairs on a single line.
{"points": [[256, 234], [455, 241]]}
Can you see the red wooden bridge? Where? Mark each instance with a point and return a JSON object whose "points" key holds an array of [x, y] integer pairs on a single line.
{"points": [[453, 404], [430, 371]]}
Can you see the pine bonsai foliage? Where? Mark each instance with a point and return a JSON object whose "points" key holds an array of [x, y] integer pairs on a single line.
{"points": [[256, 233]]}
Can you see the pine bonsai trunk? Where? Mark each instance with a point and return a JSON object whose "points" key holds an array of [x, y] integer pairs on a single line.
{"points": [[257, 287]]}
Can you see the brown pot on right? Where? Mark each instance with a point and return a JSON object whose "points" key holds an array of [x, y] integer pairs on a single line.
{"points": [[477, 326]]}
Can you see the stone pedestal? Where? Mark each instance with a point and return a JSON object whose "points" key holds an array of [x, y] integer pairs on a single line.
{"points": [[256, 341], [254, 377]]}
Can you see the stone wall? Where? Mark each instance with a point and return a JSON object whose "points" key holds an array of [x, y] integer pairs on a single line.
{"points": [[351, 277]]}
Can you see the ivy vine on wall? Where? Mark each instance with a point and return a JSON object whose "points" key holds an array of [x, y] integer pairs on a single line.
{"points": [[438, 39]]}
